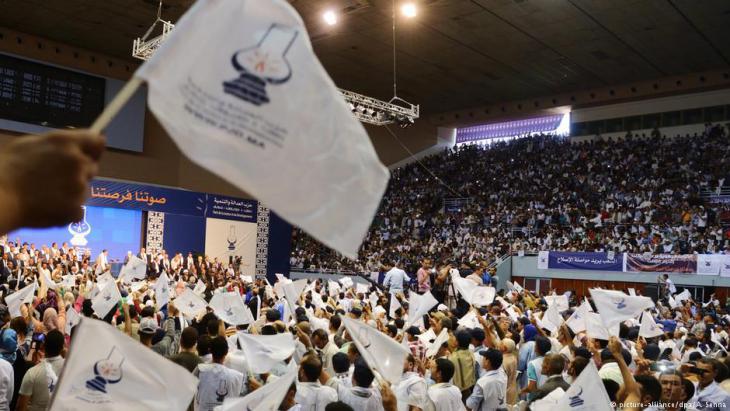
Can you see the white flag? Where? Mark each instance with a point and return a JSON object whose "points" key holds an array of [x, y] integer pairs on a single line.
{"points": [[469, 320], [632, 292], [596, 329], [292, 292], [264, 351], [433, 348], [230, 308], [542, 260], [394, 305], [586, 392], [107, 299], [162, 290], [472, 293], [259, 110], [266, 398], [514, 286], [381, 352], [135, 269], [561, 301], [362, 288], [649, 328], [17, 299], [346, 282], [717, 340], [189, 303], [672, 302], [710, 264], [615, 306], [427, 337], [104, 279], [419, 306], [108, 370], [553, 316], [72, 320], [200, 287], [47, 279], [68, 280], [318, 301], [577, 321], [333, 288], [683, 296]]}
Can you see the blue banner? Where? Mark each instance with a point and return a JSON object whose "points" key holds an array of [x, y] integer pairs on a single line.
{"points": [[585, 261], [133, 196]]}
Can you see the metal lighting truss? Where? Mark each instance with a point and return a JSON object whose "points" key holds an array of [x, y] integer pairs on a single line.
{"points": [[366, 109]]}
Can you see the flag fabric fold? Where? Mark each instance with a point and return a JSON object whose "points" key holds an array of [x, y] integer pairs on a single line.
{"points": [[648, 327], [231, 309], [108, 370], [264, 351], [382, 353], [615, 306], [17, 299], [106, 300], [189, 303], [587, 392], [266, 398], [259, 110]]}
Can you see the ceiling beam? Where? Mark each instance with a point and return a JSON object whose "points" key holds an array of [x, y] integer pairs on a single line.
{"points": [[542, 43], [699, 32], [619, 39]]}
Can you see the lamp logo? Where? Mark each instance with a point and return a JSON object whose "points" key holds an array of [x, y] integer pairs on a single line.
{"points": [[262, 64]]}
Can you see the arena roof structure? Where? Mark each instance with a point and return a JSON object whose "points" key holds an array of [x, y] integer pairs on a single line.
{"points": [[455, 53]]}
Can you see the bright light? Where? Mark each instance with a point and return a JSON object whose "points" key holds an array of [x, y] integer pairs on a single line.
{"points": [[409, 10], [330, 17]]}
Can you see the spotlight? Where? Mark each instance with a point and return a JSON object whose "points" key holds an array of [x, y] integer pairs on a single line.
{"points": [[409, 9], [330, 17]]}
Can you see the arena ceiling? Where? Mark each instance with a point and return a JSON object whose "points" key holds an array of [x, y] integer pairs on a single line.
{"points": [[455, 53]]}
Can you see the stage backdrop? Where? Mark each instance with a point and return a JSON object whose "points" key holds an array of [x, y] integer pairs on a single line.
{"points": [[115, 229], [229, 238], [178, 220]]}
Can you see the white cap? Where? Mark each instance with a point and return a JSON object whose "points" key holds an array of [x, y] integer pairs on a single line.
{"points": [[442, 307]]}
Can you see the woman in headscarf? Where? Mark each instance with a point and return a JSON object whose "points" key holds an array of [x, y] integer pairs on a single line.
{"points": [[509, 363], [526, 353]]}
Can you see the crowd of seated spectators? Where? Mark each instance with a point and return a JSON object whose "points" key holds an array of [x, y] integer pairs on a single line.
{"points": [[638, 194]]}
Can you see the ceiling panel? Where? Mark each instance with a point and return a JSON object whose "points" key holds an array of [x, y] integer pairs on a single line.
{"points": [[456, 53]]}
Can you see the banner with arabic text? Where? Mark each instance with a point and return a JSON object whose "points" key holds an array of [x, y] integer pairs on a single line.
{"points": [[558, 260], [663, 263]]}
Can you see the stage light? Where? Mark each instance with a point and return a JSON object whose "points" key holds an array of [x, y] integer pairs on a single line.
{"points": [[409, 10], [330, 17]]}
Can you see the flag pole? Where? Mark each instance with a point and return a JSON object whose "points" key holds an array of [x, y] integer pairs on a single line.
{"points": [[113, 108]]}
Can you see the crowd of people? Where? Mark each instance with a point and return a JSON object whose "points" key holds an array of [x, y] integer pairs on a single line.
{"points": [[513, 350], [637, 194]]}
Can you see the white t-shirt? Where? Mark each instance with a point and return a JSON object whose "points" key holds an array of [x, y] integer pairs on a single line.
{"points": [[217, 383], [7, 383]]}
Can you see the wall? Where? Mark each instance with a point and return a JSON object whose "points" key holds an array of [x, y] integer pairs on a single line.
{"points": [[670, 132], [582, 280], [655, 105], [622, 93]]}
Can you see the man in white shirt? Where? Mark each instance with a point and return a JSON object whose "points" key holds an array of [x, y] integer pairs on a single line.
{"points": [[216, 381], [7, 382], [359, 396], [710, 395], [670, 287], [490, 391], [444, 396], [396, 279], [39, 382], [325, 349], [411, 389], [102, 263], [311, 395]]}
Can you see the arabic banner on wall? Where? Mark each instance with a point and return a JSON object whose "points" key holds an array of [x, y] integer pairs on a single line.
{"points": [[665, 263], [117, 194], [585, 261]]}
